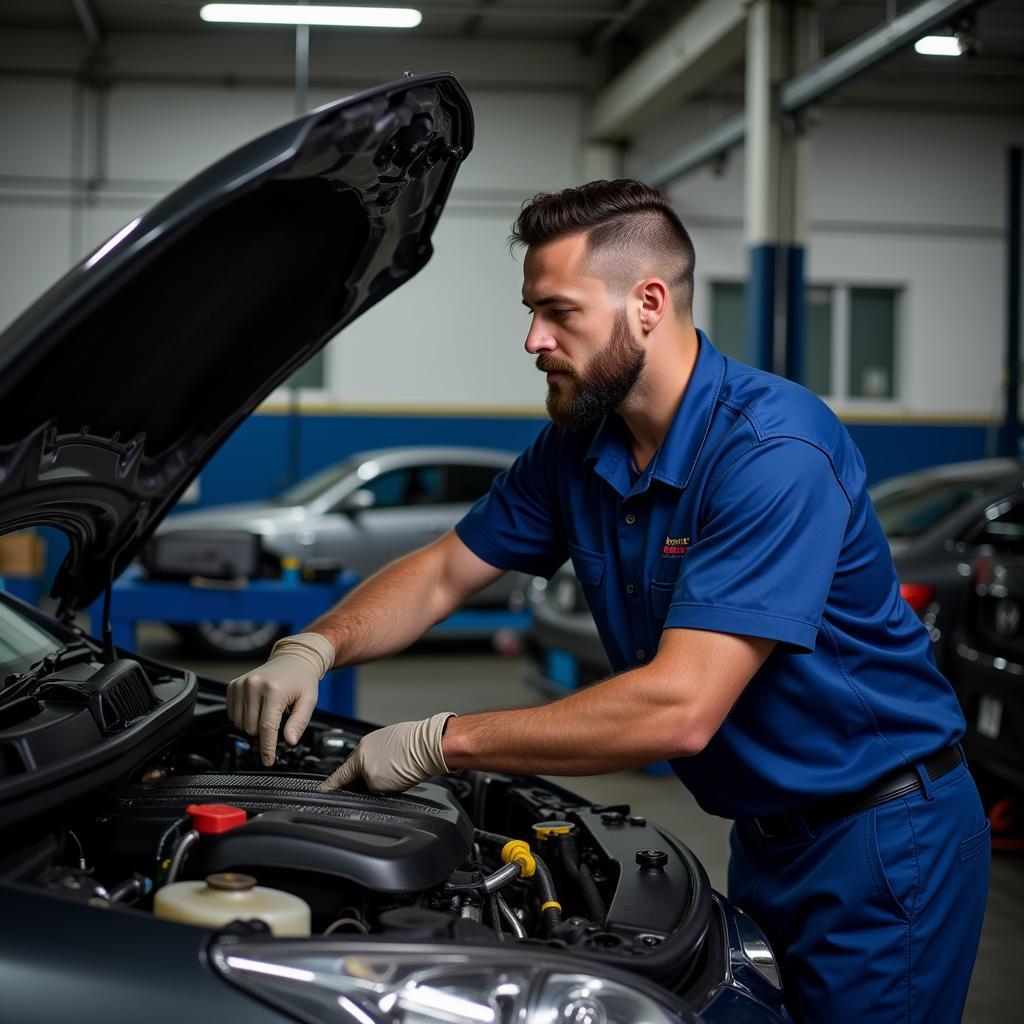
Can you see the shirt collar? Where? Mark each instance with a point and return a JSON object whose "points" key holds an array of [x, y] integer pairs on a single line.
{"points": [[677, 455]]}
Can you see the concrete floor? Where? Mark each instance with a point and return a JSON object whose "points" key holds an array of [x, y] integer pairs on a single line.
{"points": [[449, 678]]}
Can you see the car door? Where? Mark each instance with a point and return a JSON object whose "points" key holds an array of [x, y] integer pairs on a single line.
{"points": [[403, 515]]}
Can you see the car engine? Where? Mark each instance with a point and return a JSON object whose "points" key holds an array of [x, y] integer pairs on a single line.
{"points": [[479, 857]]}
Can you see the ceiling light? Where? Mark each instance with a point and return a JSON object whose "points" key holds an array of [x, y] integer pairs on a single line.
{"points": [[312, 14], [939, 46]]}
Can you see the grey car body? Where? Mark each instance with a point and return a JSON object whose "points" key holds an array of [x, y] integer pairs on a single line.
{"points": [[936, 520], [112, 406], [358, 514]]}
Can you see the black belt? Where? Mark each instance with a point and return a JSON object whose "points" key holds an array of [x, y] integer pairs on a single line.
{"points": [[807, 820]]}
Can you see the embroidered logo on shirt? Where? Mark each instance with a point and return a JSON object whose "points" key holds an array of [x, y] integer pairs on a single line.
{"points": [[676, 547]]}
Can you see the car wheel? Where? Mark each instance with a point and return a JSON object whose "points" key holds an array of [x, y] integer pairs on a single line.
{"points": [[232, 638]]}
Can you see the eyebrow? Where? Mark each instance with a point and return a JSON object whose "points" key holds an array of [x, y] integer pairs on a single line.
{"points": [[548, 299]]}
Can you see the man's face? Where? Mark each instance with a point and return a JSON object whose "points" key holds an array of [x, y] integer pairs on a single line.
{"points": [[581, 340]]}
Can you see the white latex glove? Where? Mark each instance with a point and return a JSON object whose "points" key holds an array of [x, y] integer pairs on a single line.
{"points": [[288, 681], [395, 757]]}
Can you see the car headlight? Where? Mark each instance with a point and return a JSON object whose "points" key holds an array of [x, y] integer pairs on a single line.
{"points": [[399, 984]]}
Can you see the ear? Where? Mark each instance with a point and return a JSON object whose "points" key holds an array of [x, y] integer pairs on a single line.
{"points": [[654, 302]]}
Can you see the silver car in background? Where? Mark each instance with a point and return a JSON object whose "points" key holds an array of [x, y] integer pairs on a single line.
{"points": [[358, 514]]}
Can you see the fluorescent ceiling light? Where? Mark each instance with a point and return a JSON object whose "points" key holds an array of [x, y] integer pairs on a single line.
{"points": [[312, 14], [938, 46]]}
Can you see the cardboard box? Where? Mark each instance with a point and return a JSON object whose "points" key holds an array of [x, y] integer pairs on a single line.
{"points": [[22, 554]]}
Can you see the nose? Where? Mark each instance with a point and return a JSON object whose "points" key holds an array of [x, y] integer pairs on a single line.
{"points": [[539, 338]]}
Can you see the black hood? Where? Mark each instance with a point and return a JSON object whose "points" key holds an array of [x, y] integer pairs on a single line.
{"points": [[122, 381]]}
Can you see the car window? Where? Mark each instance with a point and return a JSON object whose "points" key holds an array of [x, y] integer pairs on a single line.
{"points": [[908, 511], [22, 643], [1004, 532], [467, 483], [415, 485], [312, 487]]}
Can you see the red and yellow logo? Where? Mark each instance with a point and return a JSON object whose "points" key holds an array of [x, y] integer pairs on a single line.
{"points": [[676, 547]]}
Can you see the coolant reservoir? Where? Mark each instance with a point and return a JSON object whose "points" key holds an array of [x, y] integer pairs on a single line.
{"points": [[228, 897]]}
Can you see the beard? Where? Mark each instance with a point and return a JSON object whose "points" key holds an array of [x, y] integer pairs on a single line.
{"points": [[582, 398]]}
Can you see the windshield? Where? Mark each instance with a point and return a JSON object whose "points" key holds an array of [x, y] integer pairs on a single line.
{"points": [[910, 509], [310, 489], [22, 643]]}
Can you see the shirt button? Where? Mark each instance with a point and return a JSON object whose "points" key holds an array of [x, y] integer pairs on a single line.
{"points": [[641, 654], [630, 519], [630, 589]]}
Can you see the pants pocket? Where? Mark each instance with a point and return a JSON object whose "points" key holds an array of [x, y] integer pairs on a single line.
{"points": [[889, 850], [978, 843]]}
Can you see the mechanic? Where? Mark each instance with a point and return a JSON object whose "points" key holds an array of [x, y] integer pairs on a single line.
{"points": [[717, 519]]}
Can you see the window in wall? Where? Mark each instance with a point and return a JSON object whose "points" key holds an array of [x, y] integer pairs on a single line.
{"points": [[727, 318], [872, 343], [818, 340], [851, 343]]}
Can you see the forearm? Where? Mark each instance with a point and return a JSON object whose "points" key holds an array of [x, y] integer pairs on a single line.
{"points": [[630, 720], [388, 611]]}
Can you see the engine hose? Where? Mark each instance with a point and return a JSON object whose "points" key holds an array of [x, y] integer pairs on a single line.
{"points": [[514, 923], [550, 908], [591, 896], [185, 843], [491, 837], [495, 914]]}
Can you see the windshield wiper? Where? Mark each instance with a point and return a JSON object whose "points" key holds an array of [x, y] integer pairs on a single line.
{"points": [[18, 684]]}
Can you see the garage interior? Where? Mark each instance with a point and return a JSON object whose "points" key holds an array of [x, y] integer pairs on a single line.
{"points": [[854, 204]]}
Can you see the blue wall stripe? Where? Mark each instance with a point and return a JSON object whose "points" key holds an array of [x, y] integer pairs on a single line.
{"points": [[253, 463]]}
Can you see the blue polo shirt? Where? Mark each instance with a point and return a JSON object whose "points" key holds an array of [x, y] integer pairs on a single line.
{"points": [[752, 518]]}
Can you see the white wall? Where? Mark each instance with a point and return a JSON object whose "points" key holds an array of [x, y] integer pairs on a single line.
{"points": [[897, 198], [450, 338]]}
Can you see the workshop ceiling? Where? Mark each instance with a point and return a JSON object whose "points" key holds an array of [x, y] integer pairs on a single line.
{"points": [[615, 31]]}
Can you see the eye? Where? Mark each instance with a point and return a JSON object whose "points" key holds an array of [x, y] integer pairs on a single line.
{"points": [[561, 314]]}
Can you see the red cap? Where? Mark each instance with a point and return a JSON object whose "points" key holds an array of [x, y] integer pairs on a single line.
{"points": [[208, 819]]}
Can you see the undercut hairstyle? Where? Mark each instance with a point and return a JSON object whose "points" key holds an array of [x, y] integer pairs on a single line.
{"points": [[632, 232]]}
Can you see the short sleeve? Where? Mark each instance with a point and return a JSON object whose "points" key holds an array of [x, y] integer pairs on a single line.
{"points": [[517, 524], [762, 565]]}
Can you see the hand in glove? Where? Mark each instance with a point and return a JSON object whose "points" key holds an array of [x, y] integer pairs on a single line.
{"points": [[288, 681], [396, 757]]}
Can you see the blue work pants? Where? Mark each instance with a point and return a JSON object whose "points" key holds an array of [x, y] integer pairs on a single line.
{"points": [[877, 916]]}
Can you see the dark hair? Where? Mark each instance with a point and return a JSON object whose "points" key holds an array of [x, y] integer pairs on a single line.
{"points": [[631, 230]]}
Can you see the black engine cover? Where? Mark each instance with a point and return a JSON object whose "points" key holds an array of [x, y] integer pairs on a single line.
{"points": [[401, 843]]}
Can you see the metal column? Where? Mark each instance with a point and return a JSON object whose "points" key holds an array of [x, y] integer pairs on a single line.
{"points": [[778, 40], [1011, 433]]}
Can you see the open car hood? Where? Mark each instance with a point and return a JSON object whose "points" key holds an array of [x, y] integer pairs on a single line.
{"points": [[123, 380]]}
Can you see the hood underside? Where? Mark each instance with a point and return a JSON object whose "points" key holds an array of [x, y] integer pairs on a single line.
{"points": [[123, 380]]}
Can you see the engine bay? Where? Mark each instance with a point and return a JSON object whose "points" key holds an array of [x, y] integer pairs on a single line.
{"points": [[475, 856]]}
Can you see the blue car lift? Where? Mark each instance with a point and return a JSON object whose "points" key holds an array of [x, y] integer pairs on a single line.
{"points": [[288, 600]]}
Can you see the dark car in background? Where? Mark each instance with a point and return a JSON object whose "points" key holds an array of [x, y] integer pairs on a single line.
{"points": [[358, 514], [987, 667], [935, 521], [150, 867]]}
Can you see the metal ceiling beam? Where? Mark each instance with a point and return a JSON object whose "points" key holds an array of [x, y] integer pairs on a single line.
{"points": [[863, 54], [817, 82], [87, 18], [621, 20], [696, 48]]}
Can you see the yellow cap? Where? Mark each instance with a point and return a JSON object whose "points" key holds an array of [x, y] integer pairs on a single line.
{"points": [[543, 829], [550, 905], [290, 562], [518, 852]]}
